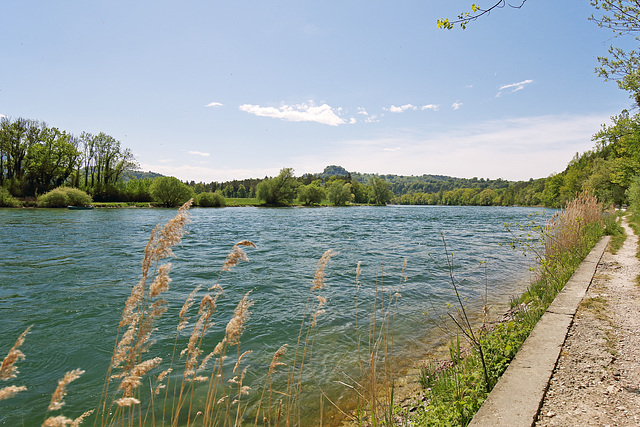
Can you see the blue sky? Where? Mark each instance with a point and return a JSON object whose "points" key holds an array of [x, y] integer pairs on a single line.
{"points": [[213, 91]]}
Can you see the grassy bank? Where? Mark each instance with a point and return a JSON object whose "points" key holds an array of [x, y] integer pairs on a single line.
{"points": [[454, 389]]}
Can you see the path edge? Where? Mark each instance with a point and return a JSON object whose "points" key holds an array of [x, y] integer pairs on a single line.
{"points": [[518, 395]]}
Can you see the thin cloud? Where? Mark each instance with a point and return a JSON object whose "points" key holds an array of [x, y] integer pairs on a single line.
{"points": [[512, 88], [519, 148], [369, 118], [298, 113], [456, 105], [433, 107], [199, 153], [214, 104], [401, 109]]}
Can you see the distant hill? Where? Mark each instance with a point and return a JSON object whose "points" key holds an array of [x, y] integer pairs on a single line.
{"points": [[403, 184], [127, 176], [333, 170]]}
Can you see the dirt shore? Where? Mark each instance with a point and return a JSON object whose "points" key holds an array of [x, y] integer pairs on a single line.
{"points": [[597, 377]]}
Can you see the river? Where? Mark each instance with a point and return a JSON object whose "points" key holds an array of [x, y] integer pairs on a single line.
{"points": [[68, 273]]}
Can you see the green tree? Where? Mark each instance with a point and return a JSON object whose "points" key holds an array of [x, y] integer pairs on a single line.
{"points": [[280, 190], [52, 160], [381, 191], [242, 191], [311, 194], [170, 191], [339, 192], [138, 190], [486, 197], [360, 194]]}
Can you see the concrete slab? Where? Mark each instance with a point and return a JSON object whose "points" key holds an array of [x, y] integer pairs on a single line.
{"points": [[517, 397]]}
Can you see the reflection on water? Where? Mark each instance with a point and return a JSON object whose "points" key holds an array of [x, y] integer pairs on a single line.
{"points": [[69, 272]]}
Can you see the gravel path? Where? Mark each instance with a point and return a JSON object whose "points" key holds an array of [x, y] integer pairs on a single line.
{"points": [[597, 377]]}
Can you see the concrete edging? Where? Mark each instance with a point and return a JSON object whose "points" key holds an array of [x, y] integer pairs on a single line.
{"points": [[518, 395]]}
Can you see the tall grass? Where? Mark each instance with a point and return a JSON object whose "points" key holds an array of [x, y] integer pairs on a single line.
{"points": [[455, 389]]}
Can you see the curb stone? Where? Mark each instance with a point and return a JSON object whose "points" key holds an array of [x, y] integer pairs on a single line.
{"points": [[518, 395]]}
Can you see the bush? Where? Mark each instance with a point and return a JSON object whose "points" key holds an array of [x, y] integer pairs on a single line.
{"points": [[634, 194], [210, 200], [64, 196], [6, 200]]}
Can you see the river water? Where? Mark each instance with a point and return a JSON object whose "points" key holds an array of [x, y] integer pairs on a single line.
{"points": [[68, 273]]}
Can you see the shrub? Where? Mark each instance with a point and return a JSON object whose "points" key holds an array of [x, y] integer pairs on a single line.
{"points": [[210, 200], [634, 194], [64, 196], [6, 200]]}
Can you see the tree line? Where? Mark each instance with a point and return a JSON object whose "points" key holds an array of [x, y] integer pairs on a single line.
{"points": [[36, 158]]}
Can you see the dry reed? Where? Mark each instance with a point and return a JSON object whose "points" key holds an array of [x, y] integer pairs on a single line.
{"points": [[8, 368], [58, 395], [564, 230]]}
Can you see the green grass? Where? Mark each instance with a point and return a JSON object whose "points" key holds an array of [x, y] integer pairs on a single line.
{"points": [[247, 201], [455, 389]]}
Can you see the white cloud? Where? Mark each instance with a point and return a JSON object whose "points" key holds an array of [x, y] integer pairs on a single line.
{"points": [[456, 105], [512, 88], [214, 104], [433, 107], [298, 113], [401, 109], [199, 153], [362, 111], [352, 121]]}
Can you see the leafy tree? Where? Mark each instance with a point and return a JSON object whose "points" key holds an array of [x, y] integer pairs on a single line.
{"points": [[360, 192], [339, 192], [138, 190], [381, 191], [311, 194], [280, 190], [242, 191], [51, 160], [623, 18], [170, 191], [486, 197], [228, 191]]}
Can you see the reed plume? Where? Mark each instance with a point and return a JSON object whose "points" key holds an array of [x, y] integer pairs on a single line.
{"points": [[8, 368], [236, 325], [58, 395], [10, 391], [237, 254], [61, 420], [318, 277]]}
